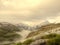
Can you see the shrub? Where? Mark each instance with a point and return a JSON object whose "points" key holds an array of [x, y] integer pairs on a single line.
{"points": [[27, 42], [49, 36], [54, 41], [19, 43]]}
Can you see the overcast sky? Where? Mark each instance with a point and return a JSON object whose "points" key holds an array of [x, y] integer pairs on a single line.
{"points": [[29, 11]]}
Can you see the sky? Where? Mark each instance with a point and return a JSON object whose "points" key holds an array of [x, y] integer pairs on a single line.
{"points": [[29, 11]]}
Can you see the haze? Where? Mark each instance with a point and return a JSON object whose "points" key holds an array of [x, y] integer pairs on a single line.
{"points": [[29, 11]]}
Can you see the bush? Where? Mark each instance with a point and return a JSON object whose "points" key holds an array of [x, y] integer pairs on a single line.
{"points": [[27, 42], [54, 41], [49, 36], [19, 43]]}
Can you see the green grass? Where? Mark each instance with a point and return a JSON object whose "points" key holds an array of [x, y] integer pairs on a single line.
{"points": [[54, 41], [27, 42], [53, 35]]}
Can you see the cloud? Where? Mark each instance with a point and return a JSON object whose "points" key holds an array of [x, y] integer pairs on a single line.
{"points": [[28, 10]]}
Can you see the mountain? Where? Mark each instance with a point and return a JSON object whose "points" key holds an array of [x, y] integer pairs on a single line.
{"points": [[20, 34], [8, 33], [41, 24], [45, 28], [46, 35], [9, 26], [44, 23], [24, 26]]}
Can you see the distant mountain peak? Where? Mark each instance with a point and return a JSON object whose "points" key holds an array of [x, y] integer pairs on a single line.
{"points": [[45, 22]]}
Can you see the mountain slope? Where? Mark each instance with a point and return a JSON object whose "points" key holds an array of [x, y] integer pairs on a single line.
{"points": [[23, 26], [44, 29], [42, 35], [8, 33]]}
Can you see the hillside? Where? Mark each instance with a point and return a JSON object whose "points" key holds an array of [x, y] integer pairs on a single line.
{"points": [[43, 36], [44, 28], [12, 35], [8, 33]]}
